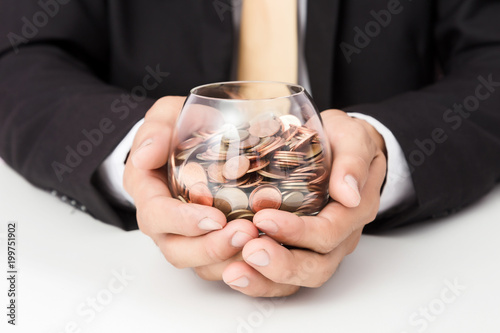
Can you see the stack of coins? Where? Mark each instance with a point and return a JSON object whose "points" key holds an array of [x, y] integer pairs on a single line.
{"points": [[270, 162]]}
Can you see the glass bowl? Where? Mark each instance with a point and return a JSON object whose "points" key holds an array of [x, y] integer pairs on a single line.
{"points": [[246, 146]]}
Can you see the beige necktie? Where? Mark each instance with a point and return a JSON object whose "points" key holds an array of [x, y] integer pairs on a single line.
{"points": [[268, 41]]}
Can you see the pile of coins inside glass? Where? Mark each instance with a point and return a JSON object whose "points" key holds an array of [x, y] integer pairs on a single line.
{"points": [[270, 162]]}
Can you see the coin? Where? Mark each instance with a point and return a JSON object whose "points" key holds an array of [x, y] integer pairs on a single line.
{"points": [[265, 127], [240, 214], [190, 143], [269, 162], [230, 197], [199, 193], [288, 120], [258, 165], [215, 172], [313, 151], [265, 196], [192, 173], [223, 205], [249, 142], [234, 136], [236, 167], [292, 201]]}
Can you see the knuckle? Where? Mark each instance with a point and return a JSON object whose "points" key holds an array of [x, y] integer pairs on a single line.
{"points": [[352, 246], [174, 260], [158, 106], [373, 211], [357, 162], [329, 238], [321, 276], [164, 242], [290, 276], [143, 227], [320, 280], [145, 218], [373, 214], [326, 243], [214, 252], [205, 273], [202, 273], [151, 112]]}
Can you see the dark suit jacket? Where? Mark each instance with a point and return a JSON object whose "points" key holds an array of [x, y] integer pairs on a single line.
{"points": [[65, 66]]}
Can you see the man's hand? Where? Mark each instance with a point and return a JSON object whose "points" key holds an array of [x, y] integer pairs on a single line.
{"points": [[319, 243], [189, 235]]}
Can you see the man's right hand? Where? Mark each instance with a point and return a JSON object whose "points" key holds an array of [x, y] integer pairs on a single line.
{"points": [[189, 235]]}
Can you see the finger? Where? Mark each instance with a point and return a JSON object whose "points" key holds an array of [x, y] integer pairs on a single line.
{"points": [[321, 233], [213, 272], [296, 266], [162, 214], [215, 247], [352, 157], [151, 146], [240, 276], [335, 222], [151, 143], [207, 119], [165, 110]]}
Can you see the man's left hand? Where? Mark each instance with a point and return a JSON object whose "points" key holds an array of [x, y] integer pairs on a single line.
{"points": [[315, 245]]}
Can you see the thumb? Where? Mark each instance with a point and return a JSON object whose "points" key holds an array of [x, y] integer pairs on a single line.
{"points": [[152, 152]]}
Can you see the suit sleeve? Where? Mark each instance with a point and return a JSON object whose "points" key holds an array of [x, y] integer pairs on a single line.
{"points": [[450, 131], [59, 119]]}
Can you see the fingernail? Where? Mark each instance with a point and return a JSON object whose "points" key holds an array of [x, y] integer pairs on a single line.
{"points": [[139, 153], [209, 224], [353, 184], [268, 226], [259, 258], [240, 238], [241, 282]]}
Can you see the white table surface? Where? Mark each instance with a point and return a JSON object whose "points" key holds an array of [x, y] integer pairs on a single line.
{"points": [[66, 258]]}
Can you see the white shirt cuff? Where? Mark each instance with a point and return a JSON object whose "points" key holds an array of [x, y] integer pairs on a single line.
{"points": [[398, 188], [111, 170]]}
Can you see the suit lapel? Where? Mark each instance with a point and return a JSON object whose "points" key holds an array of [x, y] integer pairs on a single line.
{"points": [[321, 34]]}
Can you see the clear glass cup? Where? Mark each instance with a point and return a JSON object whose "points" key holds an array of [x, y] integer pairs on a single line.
{"points": [[246, 146]]}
